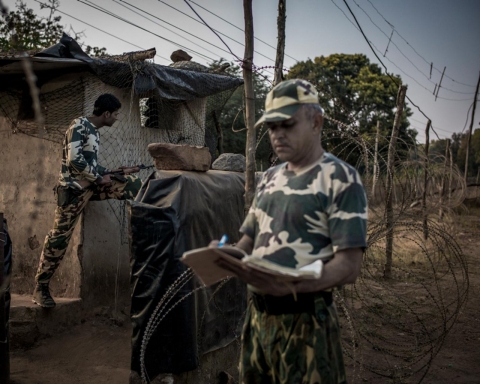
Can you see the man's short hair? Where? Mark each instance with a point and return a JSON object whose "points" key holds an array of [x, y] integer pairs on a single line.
{"points": [[311, 110], [106, 103]]}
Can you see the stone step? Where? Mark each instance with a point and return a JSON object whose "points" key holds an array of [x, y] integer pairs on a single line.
{"points": [[30, 322]]}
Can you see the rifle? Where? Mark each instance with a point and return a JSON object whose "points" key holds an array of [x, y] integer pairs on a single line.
{"points": [[118, 174]]}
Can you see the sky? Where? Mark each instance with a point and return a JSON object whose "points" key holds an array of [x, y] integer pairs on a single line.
{"points": [[443, 32]]}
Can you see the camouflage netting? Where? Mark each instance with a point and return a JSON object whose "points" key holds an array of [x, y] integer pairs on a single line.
{"points": [[179, 104], [147, 117]]}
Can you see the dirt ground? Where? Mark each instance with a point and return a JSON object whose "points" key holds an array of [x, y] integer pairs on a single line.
{"points": [[98, 351], [459, 359]]}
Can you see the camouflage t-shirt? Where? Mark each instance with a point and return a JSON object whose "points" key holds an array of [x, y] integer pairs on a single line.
{"points": [[299, 217], [80, 153]]}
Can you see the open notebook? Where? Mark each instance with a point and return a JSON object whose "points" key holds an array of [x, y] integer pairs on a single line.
{"points": [[202, 261]]}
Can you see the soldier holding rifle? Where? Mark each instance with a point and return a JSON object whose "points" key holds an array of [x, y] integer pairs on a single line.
{"points": [[81, 180]]}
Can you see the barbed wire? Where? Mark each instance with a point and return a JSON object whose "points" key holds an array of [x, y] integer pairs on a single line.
{"points": [[396, 326]]}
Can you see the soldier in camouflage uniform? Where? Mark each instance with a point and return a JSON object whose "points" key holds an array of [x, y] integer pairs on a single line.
{"points": [[81, 180], [311, 207]]}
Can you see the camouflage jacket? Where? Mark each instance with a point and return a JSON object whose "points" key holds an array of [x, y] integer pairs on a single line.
{"points": [[80, 153], [298, 218]]}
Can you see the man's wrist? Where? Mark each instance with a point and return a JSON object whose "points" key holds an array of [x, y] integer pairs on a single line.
{"points": [[98, 180]]}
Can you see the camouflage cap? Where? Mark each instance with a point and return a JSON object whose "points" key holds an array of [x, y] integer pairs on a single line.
{"points": [[286, 98]]}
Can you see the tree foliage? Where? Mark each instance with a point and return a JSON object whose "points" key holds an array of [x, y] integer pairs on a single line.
{"points": [[232, 119], [458, 146], [355, 92], [23, 30]]}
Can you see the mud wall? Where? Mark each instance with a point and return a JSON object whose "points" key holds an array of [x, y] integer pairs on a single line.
{"points": [[30, 169]]}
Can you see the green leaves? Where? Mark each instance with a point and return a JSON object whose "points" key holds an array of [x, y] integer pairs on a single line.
{"points": [[232, 118], [23, 30], [355, 92]]}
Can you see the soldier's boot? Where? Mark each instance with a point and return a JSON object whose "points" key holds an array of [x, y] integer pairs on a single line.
{"points": [[42, 297]]}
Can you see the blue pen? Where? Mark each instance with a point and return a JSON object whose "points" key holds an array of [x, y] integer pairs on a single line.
{"points": [[222, 241]]}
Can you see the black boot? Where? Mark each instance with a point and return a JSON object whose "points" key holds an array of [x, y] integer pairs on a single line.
{"points": [[42, 297]]}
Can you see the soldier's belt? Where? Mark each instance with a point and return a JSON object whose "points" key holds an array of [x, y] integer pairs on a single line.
{"points": [[282, 305]]}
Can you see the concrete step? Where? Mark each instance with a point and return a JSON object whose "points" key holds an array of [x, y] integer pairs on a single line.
{"points": [[30, 322]]}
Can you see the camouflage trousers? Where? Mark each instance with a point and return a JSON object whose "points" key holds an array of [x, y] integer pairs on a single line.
{"points": [[301, 348], [70, 204]]}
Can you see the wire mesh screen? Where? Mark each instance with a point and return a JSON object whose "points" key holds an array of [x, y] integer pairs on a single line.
{"points": [[144, 119]]}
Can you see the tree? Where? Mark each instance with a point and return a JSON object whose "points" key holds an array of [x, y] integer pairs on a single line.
{"points": [[474, 157], [232, 121], [458, 146], [475, 146], [355, 92], [23, 30]]}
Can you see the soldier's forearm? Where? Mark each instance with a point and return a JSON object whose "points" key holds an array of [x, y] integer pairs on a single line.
{"points": [[245, 243], [343, 269]]}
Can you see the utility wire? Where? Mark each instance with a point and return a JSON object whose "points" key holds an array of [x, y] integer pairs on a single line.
{"points": [[233, 25], [233, 54], [254, 67], [101, 30], [99, 8], [104, 10], [145, 17], [393, 63], [426, 61], [416, 81], [406, 57], [143, 29], [384, 66], [183, 30], [464, 126], [423, 122], [438, 129], [420, 130], [216, 30]]}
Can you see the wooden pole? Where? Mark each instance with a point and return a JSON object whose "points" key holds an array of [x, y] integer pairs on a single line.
{"points": [[389, 40], [444, 178], [402, 91], [440, 83], [425, 180], [470, 129], [365, 157], [476, 182], [375, 160], [450, 178], [282, 11], [249, 96]]}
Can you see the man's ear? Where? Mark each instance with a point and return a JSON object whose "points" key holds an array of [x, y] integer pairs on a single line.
{"points": [[106, 114], [318, 123]]}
